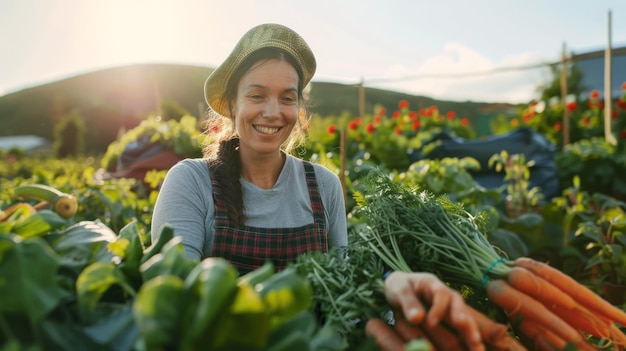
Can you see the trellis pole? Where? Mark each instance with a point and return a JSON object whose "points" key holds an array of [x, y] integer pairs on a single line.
{"points": [[608, 91], [566, 112], [361, 99], [342, 161]]}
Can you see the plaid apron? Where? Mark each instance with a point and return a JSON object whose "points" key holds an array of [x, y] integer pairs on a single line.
{"points": [[247, 248]]}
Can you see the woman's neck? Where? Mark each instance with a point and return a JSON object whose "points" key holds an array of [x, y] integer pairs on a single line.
{"points": [[262, 171]]}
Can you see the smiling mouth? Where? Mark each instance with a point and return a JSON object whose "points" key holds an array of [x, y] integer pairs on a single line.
{"points": [[266, 130]]}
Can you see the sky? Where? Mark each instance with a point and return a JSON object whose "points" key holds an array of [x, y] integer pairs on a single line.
{"points": [[443, 49]]}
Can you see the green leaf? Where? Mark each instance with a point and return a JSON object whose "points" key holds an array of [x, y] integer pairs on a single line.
{"points": [[94, 282], [158, 310], [83, 244], [28, 277], [63, 336], [133, 251], [170, 261], [41, 222], [117, 330]]}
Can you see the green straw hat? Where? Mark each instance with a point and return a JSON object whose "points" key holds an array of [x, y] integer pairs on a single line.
{"points": [[262, 36]]}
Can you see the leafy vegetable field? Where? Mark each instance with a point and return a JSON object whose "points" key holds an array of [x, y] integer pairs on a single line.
{"points": [[72, 281]]}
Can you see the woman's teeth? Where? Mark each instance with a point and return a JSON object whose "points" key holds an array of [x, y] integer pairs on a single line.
{"points": [[266, 130]]}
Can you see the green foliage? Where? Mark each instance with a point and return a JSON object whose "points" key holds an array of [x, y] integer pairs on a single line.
{"points": [[606, 235], [598, 163], [520, 197], [69, 136], [172, 110]]}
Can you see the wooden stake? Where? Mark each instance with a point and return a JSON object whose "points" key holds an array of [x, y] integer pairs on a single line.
{"points": [[608, 89], [566, 112], [361, 99], [342, 162]]}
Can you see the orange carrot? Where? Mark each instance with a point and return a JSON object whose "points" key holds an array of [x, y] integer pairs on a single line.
{"points": [[489, 329], [443, 338], [577, 291], [518, 304], [618, 337], [494, 334], [584, 320], [386, 338], [543, 339], [538, 288]]}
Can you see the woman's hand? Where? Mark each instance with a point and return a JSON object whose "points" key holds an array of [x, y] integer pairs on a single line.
{"points": [[411, 292]]}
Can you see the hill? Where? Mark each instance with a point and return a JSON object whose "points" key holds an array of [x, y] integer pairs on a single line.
{"points": [[111, 99]]}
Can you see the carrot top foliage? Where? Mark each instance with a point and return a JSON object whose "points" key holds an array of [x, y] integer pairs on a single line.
{"points": [[414, 230]]}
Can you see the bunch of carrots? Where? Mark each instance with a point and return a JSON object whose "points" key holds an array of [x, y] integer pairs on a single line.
{"points": [[421, 337], [412, 230]]}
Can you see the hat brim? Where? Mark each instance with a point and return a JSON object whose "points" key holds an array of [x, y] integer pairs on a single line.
{"points": [[263, 36]]}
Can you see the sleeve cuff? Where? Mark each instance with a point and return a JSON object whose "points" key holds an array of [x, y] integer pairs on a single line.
{"points": [[386, 274]]}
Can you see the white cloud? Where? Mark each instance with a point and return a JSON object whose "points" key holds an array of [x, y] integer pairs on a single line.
{"points": [[460, 73]]}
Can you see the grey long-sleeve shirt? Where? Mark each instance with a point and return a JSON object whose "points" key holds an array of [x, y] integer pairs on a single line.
{"points": [[185, 202]]}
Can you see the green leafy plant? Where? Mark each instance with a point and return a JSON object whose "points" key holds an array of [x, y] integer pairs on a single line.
{"points": [[520, 196], [450, 176], [607, 239], [598, 163]]}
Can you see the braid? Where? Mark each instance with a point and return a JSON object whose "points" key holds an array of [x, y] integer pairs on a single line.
{"points": [[227, 169]]}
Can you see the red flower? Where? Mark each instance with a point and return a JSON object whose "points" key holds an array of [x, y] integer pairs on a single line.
{"points": [[624, 86], [451, 115], [331, 129], [586, 121], [571, 106], [416, 124], [357, 121], [396, 114], [621, 104], [412, 115], [614, 114], [377, 119], [382, 111], [397, 130], [464, 121], [622, 134], [403, 104], [558, 126], [433, 110], [352, 125], [527, 117], [370, 128], [594, 94]]}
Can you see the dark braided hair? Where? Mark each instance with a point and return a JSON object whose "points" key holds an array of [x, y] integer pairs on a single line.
{"points": [[227, 169]]}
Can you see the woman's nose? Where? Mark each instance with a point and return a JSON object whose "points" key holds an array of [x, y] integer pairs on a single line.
{"points": [[272, 108]]}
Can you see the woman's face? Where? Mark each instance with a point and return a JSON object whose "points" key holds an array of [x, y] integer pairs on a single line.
{"points": [[265, 109]]}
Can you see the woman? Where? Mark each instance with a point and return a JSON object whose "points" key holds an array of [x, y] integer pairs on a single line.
{"points": [[249, 200]]}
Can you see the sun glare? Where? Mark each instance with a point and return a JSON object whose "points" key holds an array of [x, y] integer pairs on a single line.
{"points": [[135, 30]]}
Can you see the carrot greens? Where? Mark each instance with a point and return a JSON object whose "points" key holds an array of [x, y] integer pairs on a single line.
{"points": [[347, 289], [413, 230]]}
